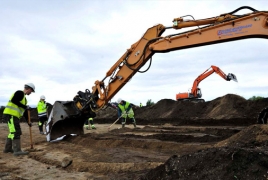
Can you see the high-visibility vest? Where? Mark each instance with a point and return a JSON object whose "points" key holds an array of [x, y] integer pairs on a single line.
{"points": [[13, 109], [124, 108], [41, 109]]}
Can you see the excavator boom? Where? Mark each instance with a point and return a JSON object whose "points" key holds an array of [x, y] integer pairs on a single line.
{"points": [[196, 92], [223, 28]]}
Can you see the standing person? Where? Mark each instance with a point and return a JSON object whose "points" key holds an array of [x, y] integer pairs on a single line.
{"points": [[125, 111], [90, 120], [42, 113], [140, 104], [263, 115], [12, 114]]}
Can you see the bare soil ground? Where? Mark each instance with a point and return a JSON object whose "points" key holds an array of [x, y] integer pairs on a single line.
{"points": [[218, 139]]}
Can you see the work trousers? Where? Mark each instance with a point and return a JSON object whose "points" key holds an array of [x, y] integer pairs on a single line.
{"points": [[41, 122], [123, 120], [13, 124]]}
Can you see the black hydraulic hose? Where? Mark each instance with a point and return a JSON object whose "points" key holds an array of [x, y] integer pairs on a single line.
{"points": [[238, 9]]}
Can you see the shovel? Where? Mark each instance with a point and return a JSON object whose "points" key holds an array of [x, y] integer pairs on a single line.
{"points": [[114, 123]]}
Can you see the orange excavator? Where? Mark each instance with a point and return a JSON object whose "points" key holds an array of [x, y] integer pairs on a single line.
{"points": [[195, 93], [67, 117]]}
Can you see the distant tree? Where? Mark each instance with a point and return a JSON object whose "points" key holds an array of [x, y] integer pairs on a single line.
{"points": [[149, 103], [254, 98]]}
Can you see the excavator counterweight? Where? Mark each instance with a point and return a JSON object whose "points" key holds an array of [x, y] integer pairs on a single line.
{"points": [[220, 29]]}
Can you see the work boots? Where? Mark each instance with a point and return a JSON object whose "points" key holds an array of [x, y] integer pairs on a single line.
{"points": [[8, 146], [134, 124], [17, 148], [123, 125]]}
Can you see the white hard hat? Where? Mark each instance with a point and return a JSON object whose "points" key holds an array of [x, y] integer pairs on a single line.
{"points": [[119, 100], [31, 85], [42, 97]]}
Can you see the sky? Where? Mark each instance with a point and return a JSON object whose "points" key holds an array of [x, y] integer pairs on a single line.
{"points": [[64, 46]]}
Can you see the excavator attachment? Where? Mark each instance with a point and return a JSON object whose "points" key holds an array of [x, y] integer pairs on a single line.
{"points": [[66, 119], [63, 120], [231, 76]]}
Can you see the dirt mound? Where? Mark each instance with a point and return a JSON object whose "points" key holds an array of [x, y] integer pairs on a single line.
{"points": [[227, 107], [254, 135], [215, 163], [243, 157]]}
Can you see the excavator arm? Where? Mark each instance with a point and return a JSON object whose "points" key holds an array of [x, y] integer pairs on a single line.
{"points": [[196, 92], [223, 28]]}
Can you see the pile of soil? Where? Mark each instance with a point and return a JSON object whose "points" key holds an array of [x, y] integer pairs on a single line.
{"points": [[242, 156], [225, 110]]}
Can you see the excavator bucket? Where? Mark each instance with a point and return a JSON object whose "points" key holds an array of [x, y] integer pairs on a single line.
{"points": [[68, 117], [231, 76], [64, 119]]}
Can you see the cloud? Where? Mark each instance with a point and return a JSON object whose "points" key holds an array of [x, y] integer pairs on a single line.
{"points": [[65, 47]]}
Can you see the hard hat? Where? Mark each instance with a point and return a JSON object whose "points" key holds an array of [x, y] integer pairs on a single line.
{"points": [[31, 85], [42, 97], [119, 100]]}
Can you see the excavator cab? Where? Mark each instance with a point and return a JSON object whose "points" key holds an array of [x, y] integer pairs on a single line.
{"points": [[199, 93]]}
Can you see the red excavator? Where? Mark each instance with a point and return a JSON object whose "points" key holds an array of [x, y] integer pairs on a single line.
{"points": [[67, 117], [195, 93]]}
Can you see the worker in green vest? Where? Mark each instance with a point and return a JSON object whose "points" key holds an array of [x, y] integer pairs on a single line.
{"points": [[42, 113], [13, 112], [124, 110]]}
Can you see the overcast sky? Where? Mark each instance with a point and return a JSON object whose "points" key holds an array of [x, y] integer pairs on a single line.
{"points": [[63, 46]]}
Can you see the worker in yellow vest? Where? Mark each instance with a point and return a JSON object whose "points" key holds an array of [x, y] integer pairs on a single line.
{"points": [[13, 112], [125, 111], [42, 113]]}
